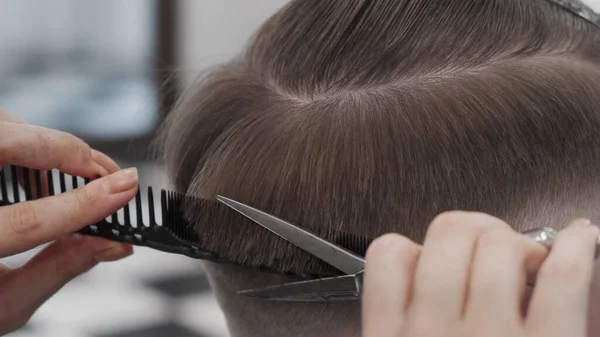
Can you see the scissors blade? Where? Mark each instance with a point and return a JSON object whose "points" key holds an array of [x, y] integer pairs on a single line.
{"points": [[342, 288], [334, 255]]}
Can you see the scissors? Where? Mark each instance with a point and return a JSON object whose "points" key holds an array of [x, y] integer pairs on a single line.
{"points": [[339, 288]]}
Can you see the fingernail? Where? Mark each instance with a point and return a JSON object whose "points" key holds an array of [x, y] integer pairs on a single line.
{"points": [[116, 252], [581, 223], [594, 228], [122, 181]]}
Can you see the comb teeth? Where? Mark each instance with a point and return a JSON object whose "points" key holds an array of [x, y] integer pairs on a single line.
{"points": [[63, 183], [151, 213], [15, 185], [127, 228], [74, 182], [138, 208], [50, 182], [3, 187], [38, 184], [172, 206], [26, 183], [173, 235], [126, 216]]}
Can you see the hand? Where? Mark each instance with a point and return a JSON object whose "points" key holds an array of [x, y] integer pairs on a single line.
{"points": [[469, 280], [26, 225]]}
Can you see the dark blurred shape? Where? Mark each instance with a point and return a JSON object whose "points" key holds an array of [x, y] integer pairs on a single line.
{"points": [[166, 330], [179, 286]]}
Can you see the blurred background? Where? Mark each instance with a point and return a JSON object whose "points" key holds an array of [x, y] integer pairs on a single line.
{"points": [[108, 71]]}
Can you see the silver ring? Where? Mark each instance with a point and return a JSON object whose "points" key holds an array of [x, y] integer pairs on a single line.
{"points": [[544, 235], [547, 235]]}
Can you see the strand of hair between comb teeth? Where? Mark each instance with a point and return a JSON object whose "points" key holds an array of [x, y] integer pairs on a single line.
{"points": [[176, 236]]}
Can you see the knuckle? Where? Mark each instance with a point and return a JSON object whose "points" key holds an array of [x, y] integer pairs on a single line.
{"points": [[41, 146], [392, 245], [84, 151], [445, 221], [22, 218], [500, 238], [69, 145], [470, 222]]}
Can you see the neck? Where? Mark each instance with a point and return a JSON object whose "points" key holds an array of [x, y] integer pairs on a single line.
{"points": [[259, 318]]}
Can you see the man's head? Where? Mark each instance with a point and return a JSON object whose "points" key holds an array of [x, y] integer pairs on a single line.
{"points": [[368, 117]]}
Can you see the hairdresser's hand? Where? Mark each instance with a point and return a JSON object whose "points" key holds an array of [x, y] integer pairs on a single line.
{"points": [[468, 280], [26, 225]]}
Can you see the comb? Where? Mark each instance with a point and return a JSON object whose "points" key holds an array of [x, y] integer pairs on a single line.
{"points": [[154, 223], [177, 237]]}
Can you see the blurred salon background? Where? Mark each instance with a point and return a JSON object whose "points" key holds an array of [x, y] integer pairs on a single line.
{"points": [[109, 71]]}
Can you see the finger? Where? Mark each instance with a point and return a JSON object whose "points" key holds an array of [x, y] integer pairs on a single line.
{"points": [[62, 261], [446, 256], [41, 148], [560, 298], [502, 261], [105, 161], [391, 262], [8, 117], [109, 165], [28, 224]]}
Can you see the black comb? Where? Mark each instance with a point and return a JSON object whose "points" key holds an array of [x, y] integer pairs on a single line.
{"points": [[178, 237], [168, 231]]}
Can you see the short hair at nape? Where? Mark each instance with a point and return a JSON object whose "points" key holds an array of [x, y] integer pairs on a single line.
{"points": [[369, 117]]}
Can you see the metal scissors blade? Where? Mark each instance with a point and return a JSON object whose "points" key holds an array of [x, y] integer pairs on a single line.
{"points": [[342, 288], [348, 287], [337, 256]]}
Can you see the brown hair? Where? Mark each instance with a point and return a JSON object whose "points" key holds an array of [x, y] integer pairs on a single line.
{"points": [[373, 116], [369, 117]]}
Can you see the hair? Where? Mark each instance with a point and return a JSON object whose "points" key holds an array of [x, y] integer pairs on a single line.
{"points": [[367, 117]]}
